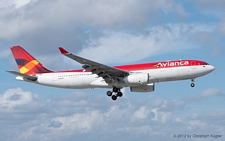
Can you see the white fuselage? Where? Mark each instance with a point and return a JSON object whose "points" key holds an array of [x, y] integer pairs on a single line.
{"points": [[80, 80]]}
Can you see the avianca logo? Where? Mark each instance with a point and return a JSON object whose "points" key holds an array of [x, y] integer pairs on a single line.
{"points": [[172, 64], [30, 65]]}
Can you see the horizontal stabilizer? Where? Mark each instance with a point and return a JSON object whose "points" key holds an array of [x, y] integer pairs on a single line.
{"points": [[25, 76]]}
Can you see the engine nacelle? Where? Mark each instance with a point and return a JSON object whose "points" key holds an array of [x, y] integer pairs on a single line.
{"points": [[144, 88], [137, 78]]}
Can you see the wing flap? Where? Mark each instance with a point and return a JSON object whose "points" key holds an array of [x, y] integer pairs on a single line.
{"points": [[25, 76], [95, 67]]}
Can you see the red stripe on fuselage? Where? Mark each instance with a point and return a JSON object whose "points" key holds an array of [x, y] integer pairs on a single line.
{"points": [[157, 65], [153, 65]]}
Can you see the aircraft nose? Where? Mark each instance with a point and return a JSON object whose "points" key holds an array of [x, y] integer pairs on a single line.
{"points": [[211, 68]]}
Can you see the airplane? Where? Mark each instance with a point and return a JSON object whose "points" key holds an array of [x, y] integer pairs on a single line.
{"points": [[139, 77]]}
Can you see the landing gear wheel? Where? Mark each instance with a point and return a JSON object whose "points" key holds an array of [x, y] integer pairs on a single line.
{"points": [[192, 84], [114, 97], [120, 94], [109, 93], [115, 89]]}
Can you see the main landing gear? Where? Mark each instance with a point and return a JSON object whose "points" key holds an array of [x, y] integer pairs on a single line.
{"points": [[192, 84], [115, 90]]}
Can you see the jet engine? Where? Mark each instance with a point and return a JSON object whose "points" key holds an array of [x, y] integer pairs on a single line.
{"points": [[137, 78], [144, 88]]}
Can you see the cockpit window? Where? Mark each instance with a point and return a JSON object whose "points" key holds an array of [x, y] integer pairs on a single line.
{"points": [[205, 64]]}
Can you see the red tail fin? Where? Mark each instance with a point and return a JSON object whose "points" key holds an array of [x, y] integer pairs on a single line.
{"points": [[27, 64]]}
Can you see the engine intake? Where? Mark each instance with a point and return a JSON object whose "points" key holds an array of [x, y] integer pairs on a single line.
{"points": [[138, 78]]}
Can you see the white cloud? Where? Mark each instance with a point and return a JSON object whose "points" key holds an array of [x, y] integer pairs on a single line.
{"points": [[98, 117], [97, 27], [176, 8], [16, 97], [20, 3], [205, 94], [158, 102], [16, 3], [210, 92], [94, 29], [29, 18], [196, 124], [141, 113], [124, 47], [71, 23], [161, 116], [81, 122]]}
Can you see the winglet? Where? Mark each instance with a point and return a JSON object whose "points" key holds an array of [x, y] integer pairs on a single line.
{"points": [[63, 51]]}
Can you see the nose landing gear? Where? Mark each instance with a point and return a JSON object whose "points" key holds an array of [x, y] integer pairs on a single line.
{"points": [[192, 84], [114, 90]]}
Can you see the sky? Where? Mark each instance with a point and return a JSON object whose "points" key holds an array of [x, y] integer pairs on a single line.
{"points": [[113, 32]]}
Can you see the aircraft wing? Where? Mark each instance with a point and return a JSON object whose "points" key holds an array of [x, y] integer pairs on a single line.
{"points": [[101, 70], [28, 77]]}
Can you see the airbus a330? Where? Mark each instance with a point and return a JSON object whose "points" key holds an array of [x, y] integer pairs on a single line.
{"points": [[139, 77]]}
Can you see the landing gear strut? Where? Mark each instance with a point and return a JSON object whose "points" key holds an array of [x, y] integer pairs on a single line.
{"points": [[192, 84], [114, 90]]}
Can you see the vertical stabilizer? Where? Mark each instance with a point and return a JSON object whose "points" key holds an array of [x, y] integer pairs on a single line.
{"points": [[26, 63]]}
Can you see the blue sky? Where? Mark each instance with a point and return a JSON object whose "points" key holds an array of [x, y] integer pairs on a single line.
{"points": [[113, 32]]}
